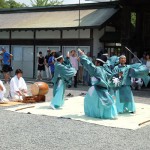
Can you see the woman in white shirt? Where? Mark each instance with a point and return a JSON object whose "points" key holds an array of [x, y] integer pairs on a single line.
{"points": [[18, 87]]}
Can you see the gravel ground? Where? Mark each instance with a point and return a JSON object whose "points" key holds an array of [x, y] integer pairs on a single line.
{"points": [[33, 132]]}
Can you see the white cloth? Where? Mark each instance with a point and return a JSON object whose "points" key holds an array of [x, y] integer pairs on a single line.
{"points": [[2, 92], [116, 81], [17, 85], [74, 62], [48, 72], [39, 74]]}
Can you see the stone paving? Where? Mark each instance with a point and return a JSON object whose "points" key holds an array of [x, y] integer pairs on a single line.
{"points": [[34, 132]]}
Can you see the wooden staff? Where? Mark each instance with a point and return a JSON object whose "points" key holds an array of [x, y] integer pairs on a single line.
{"points": [[133, 54], [144, 122], [24, 108]]}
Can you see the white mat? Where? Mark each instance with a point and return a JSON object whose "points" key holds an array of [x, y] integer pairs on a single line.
{"points": [[73, 109]]}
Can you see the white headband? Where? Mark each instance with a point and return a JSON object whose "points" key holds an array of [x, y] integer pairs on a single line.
{"points": [[59, 57], [105, 54], [100, 60]]}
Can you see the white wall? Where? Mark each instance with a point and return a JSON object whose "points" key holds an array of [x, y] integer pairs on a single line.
{"points": [[23, 59], [75, 33], [48, 34], [97, 34], [22, 35], [4, 35], [4, 46], [85, 33]]}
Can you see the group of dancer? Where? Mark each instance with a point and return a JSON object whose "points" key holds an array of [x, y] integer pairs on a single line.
{"points": [[110, 93]]}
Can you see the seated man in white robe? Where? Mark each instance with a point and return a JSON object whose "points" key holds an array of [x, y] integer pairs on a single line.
{"points": [[18, 87], [2, 92]]}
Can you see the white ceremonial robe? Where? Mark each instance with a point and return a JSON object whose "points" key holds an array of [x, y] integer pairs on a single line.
{"points": [[17, 85], [2, 92]]}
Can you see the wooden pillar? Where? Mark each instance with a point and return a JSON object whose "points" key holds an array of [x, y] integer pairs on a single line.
{"points": [[125, 30], [139, 32], [34, 53], [10, 41], [92, 42], [61, 44]]}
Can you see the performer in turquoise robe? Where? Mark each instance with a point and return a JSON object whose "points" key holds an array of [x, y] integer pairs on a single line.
{"points": [[62, 75], [109, 66], [98, 103], [124, 96], [113, 61], [68, 64]]}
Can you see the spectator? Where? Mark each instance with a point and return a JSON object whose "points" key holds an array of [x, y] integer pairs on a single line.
{"points": [[74, 63], [86, 76], [41, 66], [80, 73], [48, 73], [148, 61], [143, 59], [6, 64], [51, 62], [136, 83], [134, 59]]}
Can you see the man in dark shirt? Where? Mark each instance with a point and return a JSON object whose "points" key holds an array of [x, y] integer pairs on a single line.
{"points": [[48, 72]]}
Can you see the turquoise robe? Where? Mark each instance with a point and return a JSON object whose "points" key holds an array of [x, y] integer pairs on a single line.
{"points": [[68, 63], [124, 96], [98, 103], [109, 66], [61, 77], [112, 61], [109, 75]]}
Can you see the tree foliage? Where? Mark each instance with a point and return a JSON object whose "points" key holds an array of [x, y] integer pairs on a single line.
{"points": [[39, 3], [3, 4], [133, 19], [11, 4], [34, 3]]}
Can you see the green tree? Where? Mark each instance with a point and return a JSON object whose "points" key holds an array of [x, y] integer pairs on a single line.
{"points": [[38, 3], [133, 19], [3, 4], [14, 4], [11, 4]]}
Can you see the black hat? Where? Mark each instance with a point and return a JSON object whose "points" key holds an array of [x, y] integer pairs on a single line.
{"points": [[105, 52], [102, 59], [58, 55]]}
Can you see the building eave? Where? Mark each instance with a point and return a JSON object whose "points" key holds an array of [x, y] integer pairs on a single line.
{"points": [[63, 7]]}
